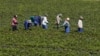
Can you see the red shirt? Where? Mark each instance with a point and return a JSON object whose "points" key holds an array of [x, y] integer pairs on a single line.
{"points": [[14, 22]]}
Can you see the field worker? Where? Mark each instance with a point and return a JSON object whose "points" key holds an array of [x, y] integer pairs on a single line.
{"points": [[66, 24], [44, 22], [58, 20], [36, 21], [14, 23], [27, 24], [39, 20], [80, 24]]}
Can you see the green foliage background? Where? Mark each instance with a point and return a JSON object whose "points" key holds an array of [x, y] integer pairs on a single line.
{"points": [[51, 42]]}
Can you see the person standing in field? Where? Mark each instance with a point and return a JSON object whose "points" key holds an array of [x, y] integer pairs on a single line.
{"points": [[14, 23], [80, 24], [58, 20], [44, 22], [66, 24]]}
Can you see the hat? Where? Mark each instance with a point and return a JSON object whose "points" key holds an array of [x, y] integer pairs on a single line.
{"points": [[81, 17], [15, 15], [60, 14], [68, 18]]}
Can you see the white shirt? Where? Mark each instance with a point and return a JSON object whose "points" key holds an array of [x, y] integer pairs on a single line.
{"points": [[58, 19], [44, 22], [29, 21], [80, 23]]}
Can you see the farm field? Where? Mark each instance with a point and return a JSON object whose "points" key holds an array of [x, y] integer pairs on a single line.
{"points": [[50, 42]]}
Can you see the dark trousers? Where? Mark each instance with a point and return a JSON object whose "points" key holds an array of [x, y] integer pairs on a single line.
{"points": [[44, 26], [14, 28], [27, 25], [57, 25], [67, 29], [35, 24], [80, 29]]}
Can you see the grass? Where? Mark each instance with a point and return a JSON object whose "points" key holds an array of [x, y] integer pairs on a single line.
{"points": [[51, 42]]}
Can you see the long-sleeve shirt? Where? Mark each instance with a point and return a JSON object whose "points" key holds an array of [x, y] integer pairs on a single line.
{"points": [[58, 19], [14, 22], [80, 23], [66, 23], [45, 21]]}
